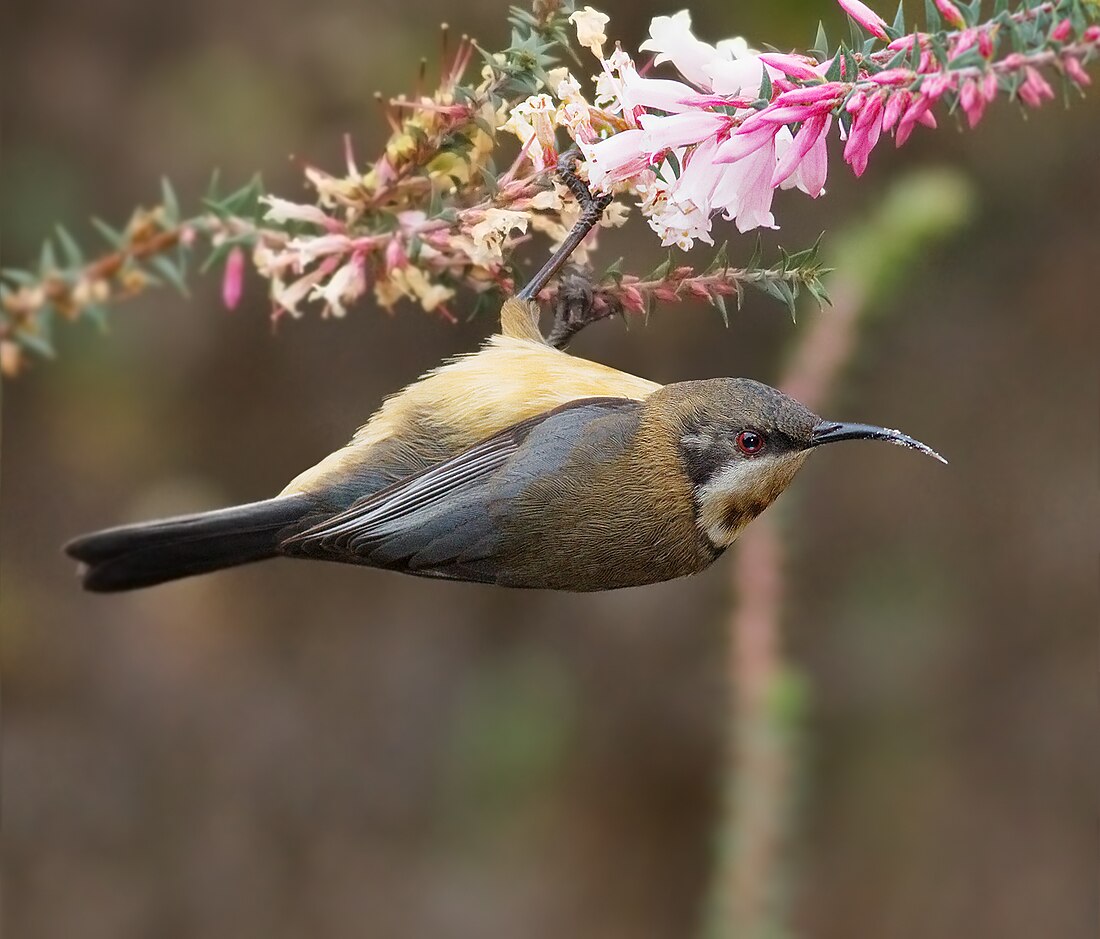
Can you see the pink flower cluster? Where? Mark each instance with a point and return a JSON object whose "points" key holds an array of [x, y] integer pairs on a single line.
{"points": [[739, 124]]}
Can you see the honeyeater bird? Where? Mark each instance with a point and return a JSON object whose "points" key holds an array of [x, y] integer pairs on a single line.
{"points": [[518, 465]]}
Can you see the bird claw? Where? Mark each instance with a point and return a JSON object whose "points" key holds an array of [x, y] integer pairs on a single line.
{"points": [[577, 304], [592, 209]]}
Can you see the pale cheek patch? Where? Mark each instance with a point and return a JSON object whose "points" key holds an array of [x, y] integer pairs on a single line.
{"points": [[733, 497]]}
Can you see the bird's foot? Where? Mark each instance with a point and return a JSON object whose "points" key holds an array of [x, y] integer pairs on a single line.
{"points": [[577, 304], [592, 209]]}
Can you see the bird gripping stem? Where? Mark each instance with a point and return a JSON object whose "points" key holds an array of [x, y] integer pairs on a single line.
{"points": [[592, 208]]}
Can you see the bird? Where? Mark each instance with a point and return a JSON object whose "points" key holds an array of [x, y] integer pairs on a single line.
{"points": [[519, 465]]}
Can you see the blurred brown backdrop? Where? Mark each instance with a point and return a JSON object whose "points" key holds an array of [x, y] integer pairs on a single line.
{"points": [[304, 749]]}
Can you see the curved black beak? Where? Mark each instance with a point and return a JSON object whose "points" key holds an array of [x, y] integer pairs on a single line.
{"points": [[832, 431]]}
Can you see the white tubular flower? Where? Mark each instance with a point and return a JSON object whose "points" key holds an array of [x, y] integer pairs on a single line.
{"points": [[680, 223], [730, 68], [590, 24], [281, 211], [740, 76], [344, 286], [308, 250], [670, 37], [615, 215], [489, 234], [533, 122], [288, 296]]}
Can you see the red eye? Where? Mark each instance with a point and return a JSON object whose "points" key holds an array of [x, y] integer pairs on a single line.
{"points": [[749, 442]]}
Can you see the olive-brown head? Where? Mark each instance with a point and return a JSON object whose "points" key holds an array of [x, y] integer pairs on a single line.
{"points": [[742, 442]]}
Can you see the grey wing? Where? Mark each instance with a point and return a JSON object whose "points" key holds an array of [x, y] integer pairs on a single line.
{"points": [[440, 522]]}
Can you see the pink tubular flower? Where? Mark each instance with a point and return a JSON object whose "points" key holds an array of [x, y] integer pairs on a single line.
{"points": [[394, 255], [972, 101], [1075, 70], [828, 93], [806, 155], [865, 16], [989, 86], [913, 114], [748, 139], [680, 130], [951, 13], [814, 168], [1062, 31], [615, 158], [894, 109], [864, 134], [744, 190], [894, 76], [1035, 88], [793, 66], [753, 208], [233, 279]]}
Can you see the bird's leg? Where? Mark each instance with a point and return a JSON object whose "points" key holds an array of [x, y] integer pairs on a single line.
{"points": [[591, 212], [577, 304]]}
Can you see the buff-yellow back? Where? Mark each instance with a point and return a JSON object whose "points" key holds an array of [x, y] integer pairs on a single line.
{"points": [[516, 375]]}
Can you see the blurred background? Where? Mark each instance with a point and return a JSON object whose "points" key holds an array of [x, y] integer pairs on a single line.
{"points": [[294, 749]]}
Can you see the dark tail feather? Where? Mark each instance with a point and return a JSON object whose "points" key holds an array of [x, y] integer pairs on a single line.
{"points": [[152, 552]]}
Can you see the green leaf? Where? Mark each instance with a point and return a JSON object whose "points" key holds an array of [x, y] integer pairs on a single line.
{"points": [[851, 67], [932, 17], [435, 203], [832, 74], [47, 259], [244, 203], [170, 273], [660, 272], [816, 288], [939, 50], [112, 236], [972, 57], [613, 272], [720, 260], [719, 302], [97, 313], [897, 61], [20, 278], [37, 343], [820, 48], [898, 29], [914, 56], [74, 257], [855, 33], [765, 85], [757, 255], [213, 187], [169, 201]]}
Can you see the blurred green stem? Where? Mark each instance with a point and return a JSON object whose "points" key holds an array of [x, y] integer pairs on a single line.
{"points": [[871, 259]]}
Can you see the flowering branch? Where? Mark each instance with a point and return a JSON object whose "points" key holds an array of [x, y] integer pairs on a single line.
{"points": [[739, 124], [578, 302], [433, 214]]}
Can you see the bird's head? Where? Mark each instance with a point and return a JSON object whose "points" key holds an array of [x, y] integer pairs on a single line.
{"points": [[742, 442]]}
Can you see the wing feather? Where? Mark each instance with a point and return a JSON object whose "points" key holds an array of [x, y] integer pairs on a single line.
{"points": [[438, 522]]}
